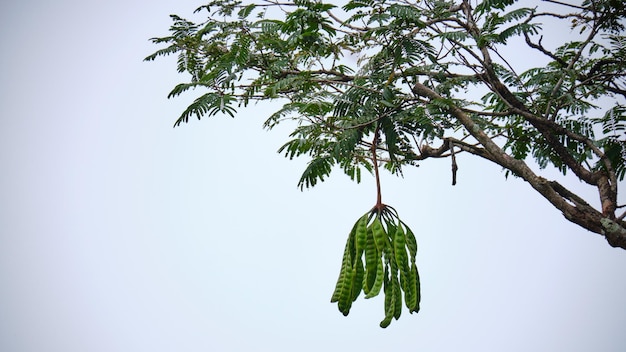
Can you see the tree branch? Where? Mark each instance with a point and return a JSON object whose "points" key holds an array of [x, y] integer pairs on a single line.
{"points": [[579, 213], [565, 4], [540, 47]]}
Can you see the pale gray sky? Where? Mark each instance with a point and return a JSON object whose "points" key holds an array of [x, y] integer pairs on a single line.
{"points": [[119, 233]]}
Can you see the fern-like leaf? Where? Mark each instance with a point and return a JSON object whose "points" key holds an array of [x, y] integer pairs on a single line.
{"points": [[317, 170]]}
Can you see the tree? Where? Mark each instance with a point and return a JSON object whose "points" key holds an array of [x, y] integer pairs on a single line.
{"points": [[390, 83]]}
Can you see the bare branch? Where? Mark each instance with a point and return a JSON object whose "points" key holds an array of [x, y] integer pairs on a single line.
{"points": [[565, 4], [540, 47]]}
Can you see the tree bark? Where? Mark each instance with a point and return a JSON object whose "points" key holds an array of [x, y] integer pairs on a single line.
{"points": [[573, 207]]}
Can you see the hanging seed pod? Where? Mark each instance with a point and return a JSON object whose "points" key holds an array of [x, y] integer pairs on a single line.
{"points": [[379, 255]]}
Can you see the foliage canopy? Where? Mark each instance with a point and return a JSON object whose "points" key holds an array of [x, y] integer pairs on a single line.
{"points": [[396, 82]]}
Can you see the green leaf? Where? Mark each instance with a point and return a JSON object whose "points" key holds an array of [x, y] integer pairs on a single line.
{"points": [[518, 29], [162, 52], [181, 88], [245, 11], [317, 170], [490, 5], [207, 104], [355, 4]]}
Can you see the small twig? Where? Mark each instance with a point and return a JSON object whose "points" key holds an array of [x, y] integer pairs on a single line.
{"points": [[565, 4], [454, 165], [541, 48], [379, 202]]}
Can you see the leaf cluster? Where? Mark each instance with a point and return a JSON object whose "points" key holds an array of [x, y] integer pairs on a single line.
{"points": [[343, 72]]}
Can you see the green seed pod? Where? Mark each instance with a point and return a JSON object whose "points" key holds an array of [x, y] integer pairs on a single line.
{"points": [[372, 258], [399, 249], [361, 235], [345, 298], [397, 297], [345, 265], [411, 243], [378, 283], [357, 279], [352, 242], [412, 301], [389, 297], [391, 227], [416, 306], [380, 237], [379, 256]]}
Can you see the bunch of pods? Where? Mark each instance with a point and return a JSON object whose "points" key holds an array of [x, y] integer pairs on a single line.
{"points": [[376, 258]]}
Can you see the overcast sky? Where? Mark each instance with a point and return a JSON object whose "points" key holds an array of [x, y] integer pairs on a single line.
{"points": [[119, 233]]}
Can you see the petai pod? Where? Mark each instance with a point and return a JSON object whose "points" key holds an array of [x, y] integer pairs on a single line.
{"points": [[389, 304], [379, 256], [343, 289], [372, 260], [361, 235], [357, 279], [413, 302], [344, 301], [381, 238]]}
